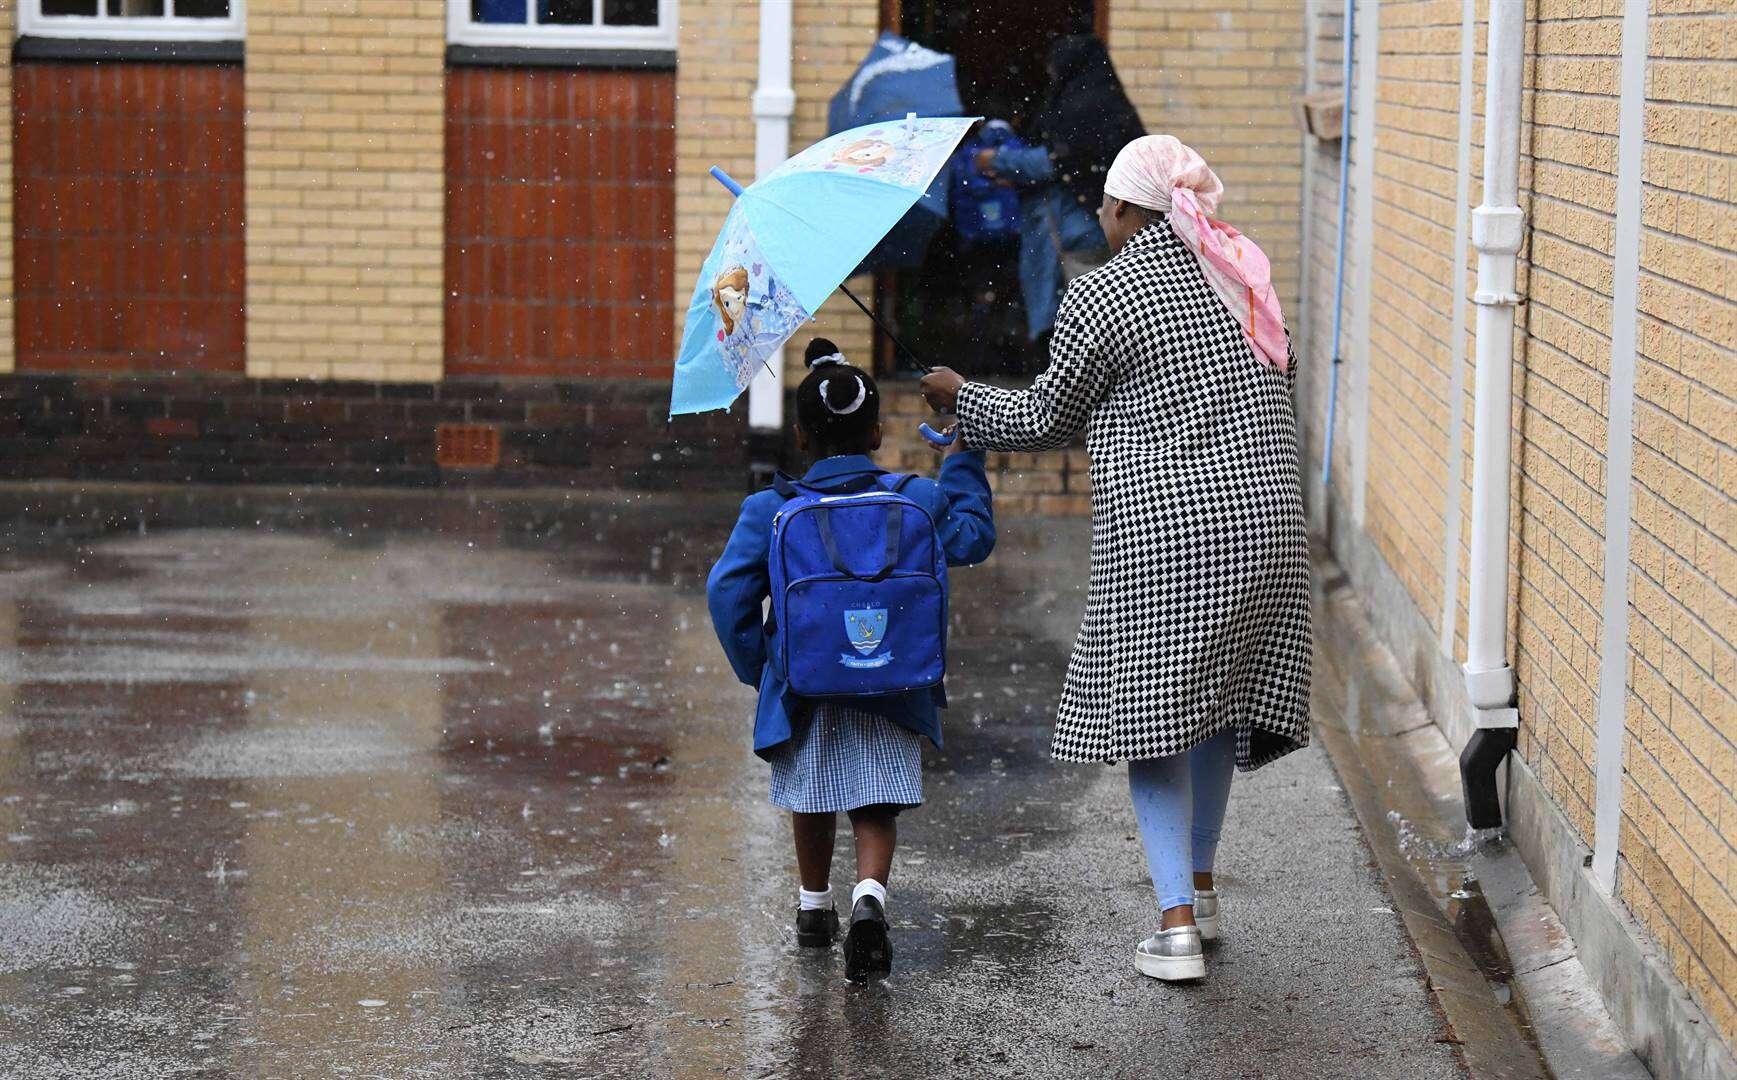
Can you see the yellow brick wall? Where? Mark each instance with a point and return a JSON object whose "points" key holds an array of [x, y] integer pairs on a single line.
{"points": [[1563, 389], [1411, 340], [1678, 869], [1220, 76], [345, 181], [1679, 830], [7, 8]]}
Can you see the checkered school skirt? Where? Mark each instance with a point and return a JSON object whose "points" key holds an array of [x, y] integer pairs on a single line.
{"points": [[844, 758]]}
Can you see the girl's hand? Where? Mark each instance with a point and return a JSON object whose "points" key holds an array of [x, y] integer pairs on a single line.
{"points": [[941, 389]]}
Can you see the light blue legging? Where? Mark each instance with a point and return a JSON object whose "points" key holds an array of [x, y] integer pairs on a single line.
{"points": [[1179, 801]]}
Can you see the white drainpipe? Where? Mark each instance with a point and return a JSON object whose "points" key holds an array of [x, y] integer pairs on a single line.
{"points": [[1496, 234], [774, 102]]}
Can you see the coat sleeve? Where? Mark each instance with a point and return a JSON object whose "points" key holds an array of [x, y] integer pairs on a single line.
{"points": [[737, 588], [1026, 166], [1053, 412], [966, 521]]}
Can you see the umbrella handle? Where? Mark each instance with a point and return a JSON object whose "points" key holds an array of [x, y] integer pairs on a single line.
{"points": [[936, 438]]}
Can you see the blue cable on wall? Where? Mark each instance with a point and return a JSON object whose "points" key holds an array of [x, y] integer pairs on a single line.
{"points": [[1339, 261]]}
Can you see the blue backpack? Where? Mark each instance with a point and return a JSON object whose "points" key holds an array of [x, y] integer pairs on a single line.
{"points": [[984, 211], [859, 590]]}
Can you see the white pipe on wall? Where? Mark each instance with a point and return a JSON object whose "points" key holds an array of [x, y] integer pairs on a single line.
{"points": [[1497, 228], [774, 101], [1619, 452]]}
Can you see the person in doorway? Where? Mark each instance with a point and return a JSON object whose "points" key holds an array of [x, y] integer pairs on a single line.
{"points": [[859, 755], [1085, 120], [985, 217], [1194, 654]]}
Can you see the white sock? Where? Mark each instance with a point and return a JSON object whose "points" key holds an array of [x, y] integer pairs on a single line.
{"points": [[814, 901], [868, 886]]}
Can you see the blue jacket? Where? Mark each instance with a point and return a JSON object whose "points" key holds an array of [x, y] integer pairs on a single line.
{"points": [[1046, 213], [739, 585]]}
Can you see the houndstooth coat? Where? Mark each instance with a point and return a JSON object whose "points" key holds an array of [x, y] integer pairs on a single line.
{"points": [[1197, 615]]}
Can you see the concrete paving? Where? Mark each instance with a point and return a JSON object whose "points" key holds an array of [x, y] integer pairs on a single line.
{"points": [[444, 785]]}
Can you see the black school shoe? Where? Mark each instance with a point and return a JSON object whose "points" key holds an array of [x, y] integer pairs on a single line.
{"points": [[868, 955], [817, 928]]}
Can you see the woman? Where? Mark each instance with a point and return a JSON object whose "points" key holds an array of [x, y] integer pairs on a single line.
{"points": [[1194, 653], [1086, 118]]}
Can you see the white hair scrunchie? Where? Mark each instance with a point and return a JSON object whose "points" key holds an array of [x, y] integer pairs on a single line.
{"points": [[861, 396], [829, 358]]}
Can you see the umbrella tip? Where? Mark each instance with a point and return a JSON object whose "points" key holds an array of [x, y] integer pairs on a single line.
{"points": [[725, 179]]}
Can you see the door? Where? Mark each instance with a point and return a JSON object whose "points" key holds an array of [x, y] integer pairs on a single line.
{"points": [[962, 306]]}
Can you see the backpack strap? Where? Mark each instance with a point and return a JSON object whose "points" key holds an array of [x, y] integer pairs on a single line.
{"points": [[898, 481], [823, 520], [785, 485]]}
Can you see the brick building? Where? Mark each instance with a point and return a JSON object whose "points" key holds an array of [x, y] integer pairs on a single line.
{"points": [[1621, 602], [291, 239]]}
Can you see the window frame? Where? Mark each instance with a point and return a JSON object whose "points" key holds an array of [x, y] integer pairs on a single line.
{"points": [[462, 30], [105, 27]]}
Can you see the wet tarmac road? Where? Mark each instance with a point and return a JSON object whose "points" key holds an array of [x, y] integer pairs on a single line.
{"points": [[439, 785]]}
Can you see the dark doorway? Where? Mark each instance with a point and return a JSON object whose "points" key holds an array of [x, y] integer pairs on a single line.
{"points": [[962, 307]]}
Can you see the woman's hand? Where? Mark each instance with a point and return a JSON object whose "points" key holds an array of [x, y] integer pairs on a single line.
{"points": [[941, 389], [984, 160]]}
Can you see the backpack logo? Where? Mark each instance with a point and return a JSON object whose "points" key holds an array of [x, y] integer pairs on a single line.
{"points": [[866, 628]]}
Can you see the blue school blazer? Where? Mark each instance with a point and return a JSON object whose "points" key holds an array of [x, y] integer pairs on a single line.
{"points": [[959, 502]]}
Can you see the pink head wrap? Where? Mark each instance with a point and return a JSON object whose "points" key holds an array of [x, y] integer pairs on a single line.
{"points": [[1159, 173]]}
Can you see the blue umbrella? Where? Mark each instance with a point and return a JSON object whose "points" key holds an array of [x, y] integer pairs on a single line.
{"points": [[791, 239], [897, 78]]}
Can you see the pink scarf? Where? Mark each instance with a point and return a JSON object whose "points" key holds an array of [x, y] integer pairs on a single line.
{"points": [[1159, 173]]}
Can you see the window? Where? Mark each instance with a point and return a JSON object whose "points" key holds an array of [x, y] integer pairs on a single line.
{"points": [[563, 24], [132, 20]]}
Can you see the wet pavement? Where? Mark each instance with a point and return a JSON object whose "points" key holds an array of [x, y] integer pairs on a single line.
{"points": [[398, 785]]}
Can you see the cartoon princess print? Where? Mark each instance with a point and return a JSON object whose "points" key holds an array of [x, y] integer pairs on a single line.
{"points": [[865, 154], [730, 297], [751, 329]]}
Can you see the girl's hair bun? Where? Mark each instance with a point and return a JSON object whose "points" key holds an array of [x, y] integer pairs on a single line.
{"points": [[837, 403], [822, 351]]}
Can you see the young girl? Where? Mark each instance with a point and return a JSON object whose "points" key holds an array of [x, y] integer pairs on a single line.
{"points": [[863, 757]]}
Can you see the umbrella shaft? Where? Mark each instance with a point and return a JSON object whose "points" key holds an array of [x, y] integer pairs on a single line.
{"points": [[887, 330]]}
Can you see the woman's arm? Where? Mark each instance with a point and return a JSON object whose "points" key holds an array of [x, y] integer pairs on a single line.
{"points": [[737, 587], [1047, 416]]}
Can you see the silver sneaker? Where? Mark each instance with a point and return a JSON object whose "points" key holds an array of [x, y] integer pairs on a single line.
{"points": [[1206, 914], [1172, 955]]}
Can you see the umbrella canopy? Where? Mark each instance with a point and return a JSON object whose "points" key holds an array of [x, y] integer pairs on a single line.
{"points": [[897, 78], [791, 239]]}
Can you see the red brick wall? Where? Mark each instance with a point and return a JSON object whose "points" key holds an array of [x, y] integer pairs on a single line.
{"points": [[559, 220], [129, 212]]}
